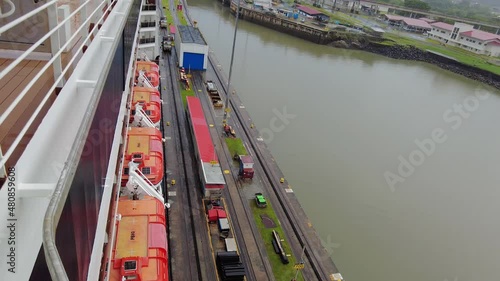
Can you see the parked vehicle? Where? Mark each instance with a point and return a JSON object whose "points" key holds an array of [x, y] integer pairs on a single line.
{"points": [[213, 92], [163, 23], [211, 88], [246, 167], [229, 131], [260, 200], [167, 43]]}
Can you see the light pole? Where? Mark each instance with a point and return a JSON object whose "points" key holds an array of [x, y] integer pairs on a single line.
{"points": [[228, 96], [299, 266]]}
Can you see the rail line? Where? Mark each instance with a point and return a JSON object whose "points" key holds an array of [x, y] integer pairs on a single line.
{"points": [[242, 245], [188, 214], [316, 265]]}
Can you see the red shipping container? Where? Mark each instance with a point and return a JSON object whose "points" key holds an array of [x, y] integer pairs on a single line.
{"points": [[221, 214], [212, 215]]}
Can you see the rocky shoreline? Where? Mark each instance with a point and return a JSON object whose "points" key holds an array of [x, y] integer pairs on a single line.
{"points": [[414, 54]]}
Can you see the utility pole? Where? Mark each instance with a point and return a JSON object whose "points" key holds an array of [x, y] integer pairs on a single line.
{"points": [[299, 266], [228, 95]]}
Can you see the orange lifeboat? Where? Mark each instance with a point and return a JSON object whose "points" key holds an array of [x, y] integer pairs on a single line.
{"points": [[145, 147], [151, 71], [150, 100], [140, 250]]}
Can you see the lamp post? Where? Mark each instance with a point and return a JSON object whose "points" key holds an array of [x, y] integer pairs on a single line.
{"points": [[228, 96], [299, 266]]}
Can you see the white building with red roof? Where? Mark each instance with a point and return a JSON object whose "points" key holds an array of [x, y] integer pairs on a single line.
{"points": [[408, 24], [440, 31], [466, 37]]}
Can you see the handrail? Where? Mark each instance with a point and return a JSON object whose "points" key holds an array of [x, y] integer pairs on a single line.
{"points": [[26, 16], [25, 54], [140, 116], [58, 198], [28, 87], [10, 12]]}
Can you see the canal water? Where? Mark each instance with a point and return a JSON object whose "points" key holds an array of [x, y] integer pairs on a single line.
{"points": [[396, 163]]}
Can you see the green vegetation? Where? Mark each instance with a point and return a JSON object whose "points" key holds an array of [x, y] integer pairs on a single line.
{"points": [[282, 272], [236, 146], [417, 4], [180, 14], [168, 14], [185, 93], [459, 54], [462, 9]]}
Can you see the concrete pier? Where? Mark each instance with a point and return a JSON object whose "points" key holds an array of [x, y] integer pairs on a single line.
{"points": [[293, 27]]}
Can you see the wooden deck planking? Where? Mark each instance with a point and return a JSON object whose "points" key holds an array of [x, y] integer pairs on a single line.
{"points": [[3, 64], [10, 87], [13, 73], [14, 86]]}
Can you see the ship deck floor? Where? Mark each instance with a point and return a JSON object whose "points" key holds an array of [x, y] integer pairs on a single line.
{"points": [[11, 87]]}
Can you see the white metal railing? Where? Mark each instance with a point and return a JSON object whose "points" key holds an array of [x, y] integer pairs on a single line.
{"points": [[141, 119], [138, 180], [12, 9], [129, 81], [56, 56], [143, 81], [58, 199]]}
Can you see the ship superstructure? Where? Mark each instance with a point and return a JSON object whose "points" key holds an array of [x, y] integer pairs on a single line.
{"points": [[67, 72]]}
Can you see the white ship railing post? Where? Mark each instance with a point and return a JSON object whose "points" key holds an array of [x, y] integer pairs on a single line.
{"points": [[55, 43]]}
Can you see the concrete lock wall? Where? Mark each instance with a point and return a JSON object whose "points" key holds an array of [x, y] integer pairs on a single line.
{"points": [[291, 27]]}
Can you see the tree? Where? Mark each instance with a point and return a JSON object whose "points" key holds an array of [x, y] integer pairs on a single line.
{"points": [[417, 4]]}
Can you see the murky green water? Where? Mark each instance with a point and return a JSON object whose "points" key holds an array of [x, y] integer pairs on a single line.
{"points": [[357, 118]]}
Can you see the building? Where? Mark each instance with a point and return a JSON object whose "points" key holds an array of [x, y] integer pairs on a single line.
{"points": [[441, 31], [264, 4], [427, 20], [408, 24], [192, 48], [392, 19], [374, 7], [312, 13], [415, 25], [466, 37]]}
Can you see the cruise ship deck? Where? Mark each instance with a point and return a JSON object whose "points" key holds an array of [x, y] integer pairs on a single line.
{"points": [[66, 73]]}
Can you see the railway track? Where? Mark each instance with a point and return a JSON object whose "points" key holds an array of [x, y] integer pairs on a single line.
{"points": [[242, 217], [294, 228], [275, 186], [196, 266]]}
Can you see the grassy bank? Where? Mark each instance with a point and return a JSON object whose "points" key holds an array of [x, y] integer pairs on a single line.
{"points": [[460, 55], [236, 146], [185, 93], [282, 272], [168, 14], [180, 14]]}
